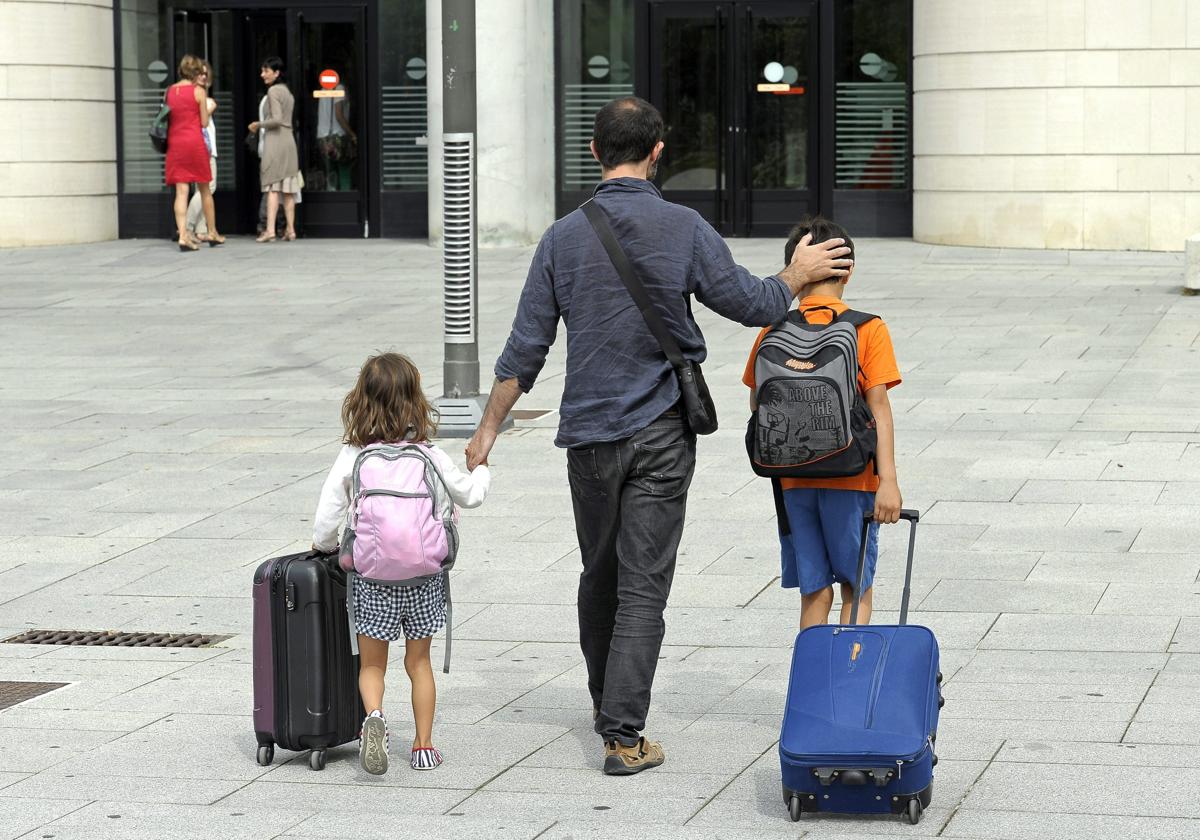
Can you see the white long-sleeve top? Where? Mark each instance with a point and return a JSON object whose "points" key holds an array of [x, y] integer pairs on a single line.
{"points": [[467, 489]]}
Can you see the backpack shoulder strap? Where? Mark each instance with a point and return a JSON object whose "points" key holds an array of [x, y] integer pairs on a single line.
{"points": [[855, 318]]}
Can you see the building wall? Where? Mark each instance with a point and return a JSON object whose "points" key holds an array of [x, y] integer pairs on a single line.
{"points": [[58, 174], [515, 101], [1057, 123]]}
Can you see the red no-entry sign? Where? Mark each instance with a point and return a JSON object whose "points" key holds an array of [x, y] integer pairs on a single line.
{"points": [[329, 79]]}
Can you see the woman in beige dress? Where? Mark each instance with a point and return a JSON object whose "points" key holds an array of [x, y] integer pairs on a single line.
{"points": [[279, 164]]}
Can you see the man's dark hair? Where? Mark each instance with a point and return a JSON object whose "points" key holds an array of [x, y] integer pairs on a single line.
{"points": [[821, 230], [626, 130]]}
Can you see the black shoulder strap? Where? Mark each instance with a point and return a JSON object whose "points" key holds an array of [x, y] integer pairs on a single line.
{"points": [[629, 277], [856, 319], [781, 517]]}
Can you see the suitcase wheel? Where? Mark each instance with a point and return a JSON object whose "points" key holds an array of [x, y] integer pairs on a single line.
{"points": [[915, 811], [266, 754], [795, 809], [316, 760]]}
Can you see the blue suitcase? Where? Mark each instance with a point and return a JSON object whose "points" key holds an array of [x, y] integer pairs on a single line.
{"points": [[862, 712]]}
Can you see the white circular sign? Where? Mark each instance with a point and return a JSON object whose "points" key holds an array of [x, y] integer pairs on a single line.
{"points": [[157, 71], [871, 64], [597, 66], [790, 74], [416, 68], [773, 72]]}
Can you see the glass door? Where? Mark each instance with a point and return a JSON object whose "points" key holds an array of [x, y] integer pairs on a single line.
{"points": [[690, 85], [329, 84], [736, 84], [777, 130]]}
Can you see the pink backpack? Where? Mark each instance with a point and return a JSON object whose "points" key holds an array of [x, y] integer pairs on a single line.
{"points": [[402, 529]]}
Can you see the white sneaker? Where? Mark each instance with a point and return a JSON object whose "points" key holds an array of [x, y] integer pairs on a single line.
{"points": [[373, 744]]}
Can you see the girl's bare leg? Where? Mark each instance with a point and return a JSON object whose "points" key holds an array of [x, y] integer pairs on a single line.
{"points": [[424, 689]]}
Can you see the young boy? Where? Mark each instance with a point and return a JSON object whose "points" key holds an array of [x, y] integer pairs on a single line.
{"points": [[826, 514]]}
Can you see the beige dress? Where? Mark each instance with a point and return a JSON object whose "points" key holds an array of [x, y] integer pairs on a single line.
{"points": [[279, 166]]}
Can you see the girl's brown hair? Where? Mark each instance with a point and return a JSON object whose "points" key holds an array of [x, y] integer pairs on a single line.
{"points": [[386, 404], [190, 67]]}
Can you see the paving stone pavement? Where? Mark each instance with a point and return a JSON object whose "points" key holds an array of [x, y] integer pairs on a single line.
{"points": [[169, 418]]}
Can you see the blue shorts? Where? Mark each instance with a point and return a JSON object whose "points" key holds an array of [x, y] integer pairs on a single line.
{"points": [[823, 546]]}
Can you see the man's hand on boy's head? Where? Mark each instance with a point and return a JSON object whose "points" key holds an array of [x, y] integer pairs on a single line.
{"points": [[814, 263]]}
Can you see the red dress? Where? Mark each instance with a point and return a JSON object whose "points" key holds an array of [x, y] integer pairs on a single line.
{"points": [[187, 156]]}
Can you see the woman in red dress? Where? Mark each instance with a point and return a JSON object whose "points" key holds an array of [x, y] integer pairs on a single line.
{"points": [[187, 154]]}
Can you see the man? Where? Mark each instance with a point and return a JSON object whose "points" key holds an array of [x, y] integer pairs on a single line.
{"points": [[630, 453]]}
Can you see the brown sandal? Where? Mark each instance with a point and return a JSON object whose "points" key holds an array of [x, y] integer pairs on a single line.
{"points": [[263, 237]]}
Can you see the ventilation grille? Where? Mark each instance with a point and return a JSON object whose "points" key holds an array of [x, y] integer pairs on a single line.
{"points": [[458, 223], [872, 135], [405, 151], [113, 638]]}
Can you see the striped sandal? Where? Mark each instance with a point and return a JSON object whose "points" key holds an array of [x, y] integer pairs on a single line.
{"points": [[425, 758]]}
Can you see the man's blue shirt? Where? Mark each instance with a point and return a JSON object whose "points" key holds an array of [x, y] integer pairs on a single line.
{"points": [[618, 379]]}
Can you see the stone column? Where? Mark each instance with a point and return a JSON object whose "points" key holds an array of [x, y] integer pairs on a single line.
{"points": [[1057, 123], [515, 60], [58, 171]]}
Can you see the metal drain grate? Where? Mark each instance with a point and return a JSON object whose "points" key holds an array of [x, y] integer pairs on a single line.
{"points": [[114, 638], [12, 693]]}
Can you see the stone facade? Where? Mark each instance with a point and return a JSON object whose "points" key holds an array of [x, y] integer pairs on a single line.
{"points": [[1057, 123], [515, 134], [58, 173]]}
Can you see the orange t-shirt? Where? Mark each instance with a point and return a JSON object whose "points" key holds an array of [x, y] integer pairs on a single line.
{"points": [[876, 366]]}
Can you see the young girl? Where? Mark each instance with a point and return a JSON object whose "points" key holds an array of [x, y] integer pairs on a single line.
{"points": [[387, 405]]}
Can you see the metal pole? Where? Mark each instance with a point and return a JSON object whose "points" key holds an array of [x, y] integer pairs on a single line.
{"points": [[460, 406]]}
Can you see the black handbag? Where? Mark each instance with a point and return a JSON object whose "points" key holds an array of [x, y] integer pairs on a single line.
{"points": [[697, 402], [251, 141], [158, 128]]}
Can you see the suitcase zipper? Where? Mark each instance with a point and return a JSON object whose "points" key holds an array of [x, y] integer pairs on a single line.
{"points": [[846, 762], [279, 644]]}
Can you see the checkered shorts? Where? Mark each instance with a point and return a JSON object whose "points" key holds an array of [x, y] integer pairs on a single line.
{"points": [[389, 613]]}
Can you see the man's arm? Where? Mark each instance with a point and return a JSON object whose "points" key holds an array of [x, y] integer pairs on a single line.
{"points": [[534, 329], [730, 290], [500, 402]]}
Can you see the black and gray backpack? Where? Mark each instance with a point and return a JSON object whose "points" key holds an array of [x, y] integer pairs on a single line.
{"points": [[811, 420]]}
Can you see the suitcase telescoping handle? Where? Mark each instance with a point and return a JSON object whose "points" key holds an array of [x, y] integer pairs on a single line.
{"points": [[913, 517]]}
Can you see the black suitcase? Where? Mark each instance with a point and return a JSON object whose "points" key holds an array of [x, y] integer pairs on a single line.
{"points": [[305, 676]]}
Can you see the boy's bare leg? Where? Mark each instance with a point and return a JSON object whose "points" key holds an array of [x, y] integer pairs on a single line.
{"points": [[373, 656], [424, 689], [864, 606], [815, 606]]}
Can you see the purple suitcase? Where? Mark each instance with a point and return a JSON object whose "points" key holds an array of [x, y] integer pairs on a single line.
{"points": [[305, 676]]}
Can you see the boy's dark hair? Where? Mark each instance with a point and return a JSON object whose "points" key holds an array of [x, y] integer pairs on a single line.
{"points": [[626, 130], [821, 230]]}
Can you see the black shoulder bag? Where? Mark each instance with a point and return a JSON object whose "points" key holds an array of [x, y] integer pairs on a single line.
{"points": [[697, 402], [158, 128]]}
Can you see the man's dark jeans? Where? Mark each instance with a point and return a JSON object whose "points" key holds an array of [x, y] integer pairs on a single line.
{"points": [[629, 498]]}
